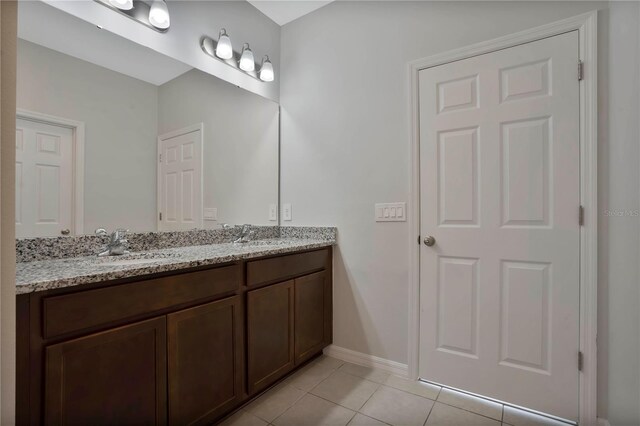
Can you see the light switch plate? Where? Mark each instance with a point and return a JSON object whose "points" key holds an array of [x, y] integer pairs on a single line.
{"points": [[273, 212], [391, 212], [286, 211], [211, 214]]}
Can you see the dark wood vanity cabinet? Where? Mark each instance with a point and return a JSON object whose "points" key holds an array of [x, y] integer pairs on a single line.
{"points": [[289, 322], [108, 378], [270, 334], [204, 372], [312, 315], [178, 348]]}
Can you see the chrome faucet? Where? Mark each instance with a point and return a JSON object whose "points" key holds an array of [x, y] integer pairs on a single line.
{"points": [[243, 235], [117, 244]]}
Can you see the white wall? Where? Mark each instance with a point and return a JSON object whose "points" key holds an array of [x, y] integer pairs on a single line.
{"points": [[240, 143], [619, 278], [120, 114], [345, 146], [190, 20]]}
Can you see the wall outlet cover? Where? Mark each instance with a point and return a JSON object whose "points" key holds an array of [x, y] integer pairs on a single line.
{"points": [[273, 212], [286, 211], [210, 214], [391, 212]]}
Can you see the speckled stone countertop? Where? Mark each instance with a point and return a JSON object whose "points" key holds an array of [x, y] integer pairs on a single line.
{"points": [[60, 273]]}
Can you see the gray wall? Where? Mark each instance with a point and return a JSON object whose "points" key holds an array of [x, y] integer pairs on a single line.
{"points": [[240, 143], [345, 146], [8, 12], [121, 119], [619, 237]]}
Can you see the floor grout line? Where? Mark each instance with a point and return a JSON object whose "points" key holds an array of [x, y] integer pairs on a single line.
{"points": [[360, 377], [351, 409], [365, 403], [354, 414], [472, 412], [379, 386], [439, 392], [541, 415], [430, 410], [411, 393]]}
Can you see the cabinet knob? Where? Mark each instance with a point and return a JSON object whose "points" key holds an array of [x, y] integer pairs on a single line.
{"points": [[65, 232], [429, 241]]}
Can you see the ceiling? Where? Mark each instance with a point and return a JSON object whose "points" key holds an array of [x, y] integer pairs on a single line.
{"points": [[47, 26], [285, 11]]}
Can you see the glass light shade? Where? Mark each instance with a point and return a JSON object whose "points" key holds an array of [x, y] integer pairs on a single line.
{"points": [[159, 15], [122, 4], [266, 70], [247, 62], [224, 50]]}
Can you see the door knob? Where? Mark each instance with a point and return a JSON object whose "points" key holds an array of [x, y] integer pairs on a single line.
{"points": [[67, 232], [429, 241]]}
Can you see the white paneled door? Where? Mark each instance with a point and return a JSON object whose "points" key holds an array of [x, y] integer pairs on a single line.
{"points": [[44, 179], [500, 196], [180, 180]]}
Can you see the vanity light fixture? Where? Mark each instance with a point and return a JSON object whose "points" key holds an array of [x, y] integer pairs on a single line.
{"points": [[224, 50], [266, 69], [122, 4], [152, 14], [159, 15], [246, 59]]}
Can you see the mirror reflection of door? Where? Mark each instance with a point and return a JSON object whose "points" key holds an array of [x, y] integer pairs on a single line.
{"points": [[180, 179], [44, 179]]}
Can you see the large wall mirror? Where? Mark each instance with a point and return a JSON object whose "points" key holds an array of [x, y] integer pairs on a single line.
{"points": [[111, 134]]}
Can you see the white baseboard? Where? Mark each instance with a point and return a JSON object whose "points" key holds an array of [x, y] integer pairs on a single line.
{"points": [[366, 360], [603, 422]]}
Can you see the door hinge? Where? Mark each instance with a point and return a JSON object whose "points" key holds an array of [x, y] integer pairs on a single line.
{"points": [[580, 360], [580, 70], [160, 215], [581, 216], [161, 158]]}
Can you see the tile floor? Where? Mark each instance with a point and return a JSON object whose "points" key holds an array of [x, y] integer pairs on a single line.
{"points": [[333, 392]]}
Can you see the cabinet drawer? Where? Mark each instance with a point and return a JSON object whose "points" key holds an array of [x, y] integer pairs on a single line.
{"points": [[284, 267], [87, 309]]}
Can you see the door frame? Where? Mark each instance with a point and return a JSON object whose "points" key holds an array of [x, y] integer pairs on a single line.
{"points": [[169, 135], [586, 25], [77, 160]]}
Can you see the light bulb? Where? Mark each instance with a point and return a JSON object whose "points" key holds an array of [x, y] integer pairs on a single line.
{"points": [[224, 50], [159, 15], [266, 70], [122, 4], [246, 59]]}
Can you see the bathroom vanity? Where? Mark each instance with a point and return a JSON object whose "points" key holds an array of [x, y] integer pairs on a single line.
{"points": [[170, 346], [188, 326]]}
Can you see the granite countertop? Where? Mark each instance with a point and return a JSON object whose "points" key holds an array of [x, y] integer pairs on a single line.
{"points": [[60, 273]]}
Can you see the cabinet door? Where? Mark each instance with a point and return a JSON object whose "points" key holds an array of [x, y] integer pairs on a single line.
{"points": [[205, 375], [269, 334], [113, 377], [312, 308]]}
